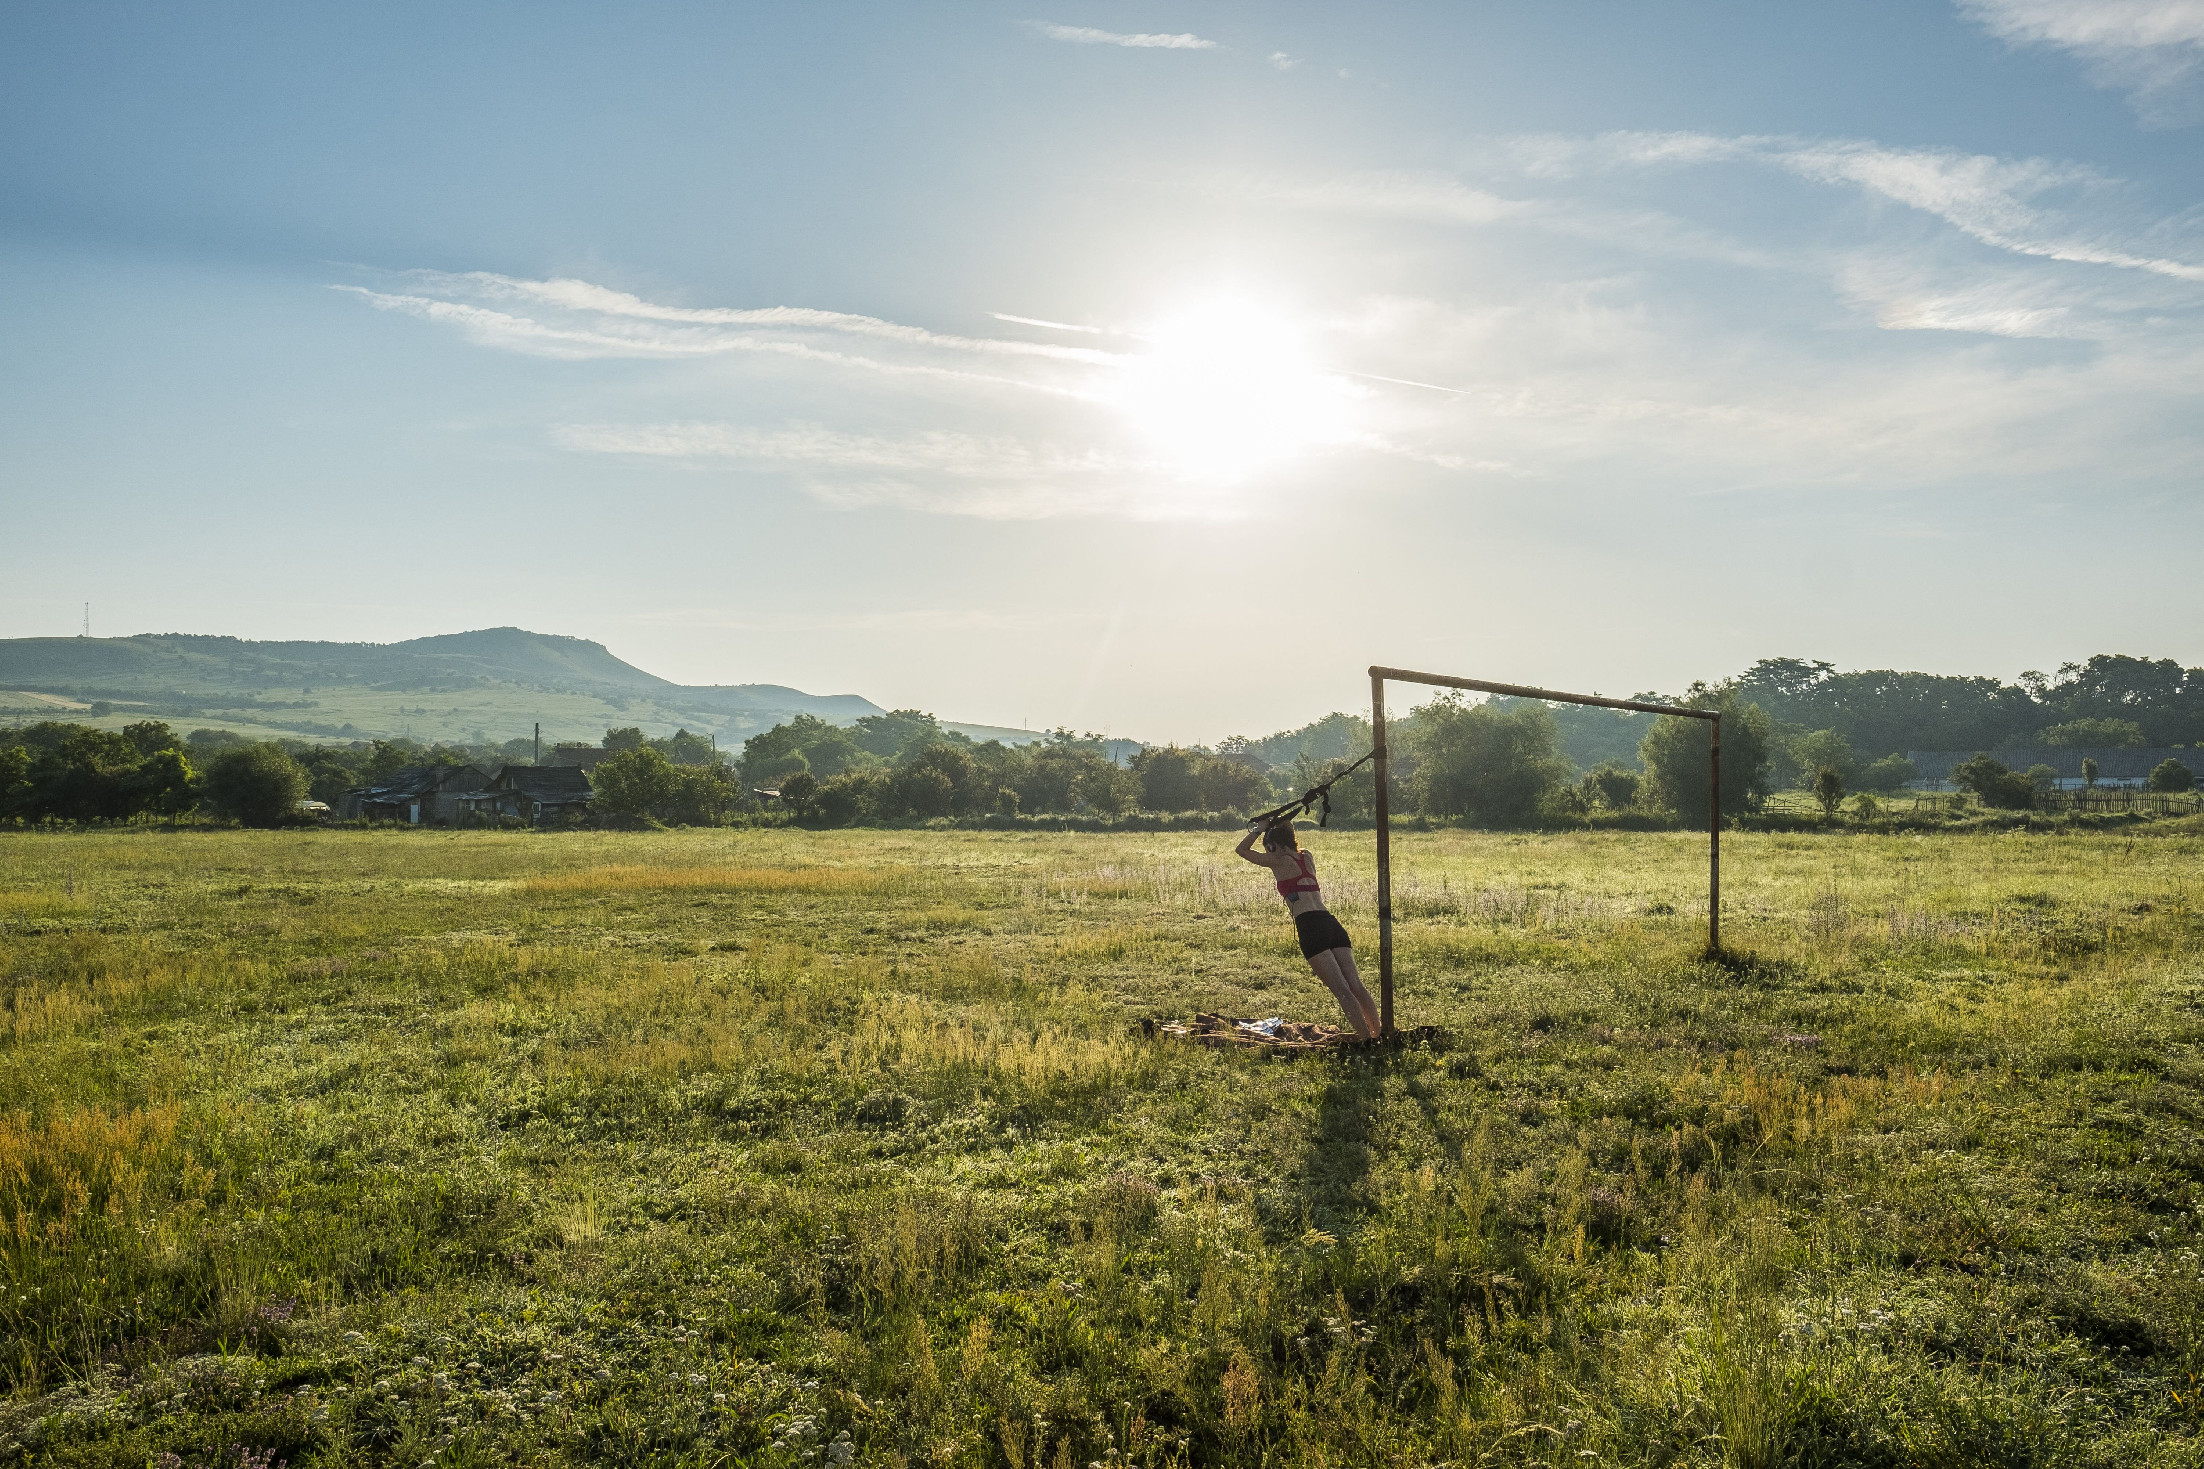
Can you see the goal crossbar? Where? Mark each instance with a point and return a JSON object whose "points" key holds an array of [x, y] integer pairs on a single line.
{"points": [[1379, 677]]}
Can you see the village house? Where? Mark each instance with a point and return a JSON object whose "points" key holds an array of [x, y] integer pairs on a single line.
{"points": [[541, 795], [419, 795], [440, 795]]}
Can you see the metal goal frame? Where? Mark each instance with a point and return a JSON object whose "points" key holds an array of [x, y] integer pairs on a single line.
{"points": [[1379, 677]]}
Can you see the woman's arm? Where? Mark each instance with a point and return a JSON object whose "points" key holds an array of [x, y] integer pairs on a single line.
{"points": [[1246, 850]]}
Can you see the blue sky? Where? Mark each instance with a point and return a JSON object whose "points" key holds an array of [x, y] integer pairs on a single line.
{"points": [[1144, 367]]}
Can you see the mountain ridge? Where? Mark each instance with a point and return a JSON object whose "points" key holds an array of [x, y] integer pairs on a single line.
{"points": [[484, 678]]}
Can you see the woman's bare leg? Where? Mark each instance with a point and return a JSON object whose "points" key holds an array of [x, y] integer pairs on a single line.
{"points": [[1353, 1001], [1346, 958]]}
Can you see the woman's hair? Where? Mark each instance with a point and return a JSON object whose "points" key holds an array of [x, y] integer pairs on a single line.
{"points": [[1279, 837]]}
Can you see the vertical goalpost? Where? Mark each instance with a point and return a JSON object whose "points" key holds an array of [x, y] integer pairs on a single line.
{"points": [[1378, 677]]}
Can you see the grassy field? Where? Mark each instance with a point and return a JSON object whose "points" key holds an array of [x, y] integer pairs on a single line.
{"points": [[795, 1149]]}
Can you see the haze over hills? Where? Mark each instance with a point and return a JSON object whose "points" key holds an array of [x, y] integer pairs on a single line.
{"points": [[496, 683]]}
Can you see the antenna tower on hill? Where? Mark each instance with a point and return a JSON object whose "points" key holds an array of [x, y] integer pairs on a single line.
{"points": [[87, 620]]}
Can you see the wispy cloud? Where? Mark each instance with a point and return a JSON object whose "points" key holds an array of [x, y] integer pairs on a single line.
{"points": [[1148, 40], [577, 320], [2027, 206], [2151, 49]]}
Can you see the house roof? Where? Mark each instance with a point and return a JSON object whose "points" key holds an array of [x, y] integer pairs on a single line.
{"points": [[420, 780], [546, 782]]}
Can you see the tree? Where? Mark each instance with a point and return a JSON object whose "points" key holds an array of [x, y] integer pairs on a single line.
{"points": [[683, 748], [164, 784], [1829, 790], [1611, 785], [853, 796], [1674, 753], [1493, 768], [385, 758], [1994, 783], [1170, 778], [2043, 777], [937, 780], [2089, 773], [2093, 734], [151, 736], [15, 781], [703, 795], [898, 732], [2170, 774], [1824, 747], [619, 740], [635, 782], [800, 793], [256, 785], [86, 777]]}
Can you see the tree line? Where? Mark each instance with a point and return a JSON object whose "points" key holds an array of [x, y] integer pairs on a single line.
{"points": [[75, 773]]}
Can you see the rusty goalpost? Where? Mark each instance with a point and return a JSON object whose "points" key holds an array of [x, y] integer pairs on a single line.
{"points": [[1379, 677]]}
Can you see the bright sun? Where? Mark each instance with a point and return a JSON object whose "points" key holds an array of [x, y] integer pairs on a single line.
{"points": [[1228, 388]]}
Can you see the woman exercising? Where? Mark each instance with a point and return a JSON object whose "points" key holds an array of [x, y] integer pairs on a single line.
{"points": [[1323, 942]]}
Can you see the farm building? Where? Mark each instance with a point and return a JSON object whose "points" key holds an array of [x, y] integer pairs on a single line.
{"points": [[537, 794], [419, 795], [439, 795]]}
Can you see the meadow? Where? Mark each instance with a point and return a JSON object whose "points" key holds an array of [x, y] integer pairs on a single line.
{"points": [[767, 1147]]}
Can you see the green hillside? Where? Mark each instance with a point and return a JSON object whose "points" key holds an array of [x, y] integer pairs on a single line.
{"points": [[493, 684]]}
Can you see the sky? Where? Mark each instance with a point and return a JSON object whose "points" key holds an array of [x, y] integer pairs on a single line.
{"points": [[1145, 368]]}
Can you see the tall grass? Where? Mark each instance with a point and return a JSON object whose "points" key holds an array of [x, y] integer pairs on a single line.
{"points": [[732, 1146]]}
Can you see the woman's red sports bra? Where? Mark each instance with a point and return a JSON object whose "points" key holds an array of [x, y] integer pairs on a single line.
{"points": [[1305, 883]]}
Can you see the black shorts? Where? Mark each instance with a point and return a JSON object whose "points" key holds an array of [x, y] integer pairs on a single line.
{"points": [[1320, 931]]}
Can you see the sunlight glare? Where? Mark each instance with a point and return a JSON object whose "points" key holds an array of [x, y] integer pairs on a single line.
{"points": [[1228, 388]]}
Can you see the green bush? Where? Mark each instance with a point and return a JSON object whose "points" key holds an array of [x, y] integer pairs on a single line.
{"points": [[2170, 774], [1611, 785], [1891, 773], [1994, 783], [1829, 790], [256, 785]]}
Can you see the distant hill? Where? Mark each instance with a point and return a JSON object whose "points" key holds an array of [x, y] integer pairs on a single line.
{"points": [[494, 683]]}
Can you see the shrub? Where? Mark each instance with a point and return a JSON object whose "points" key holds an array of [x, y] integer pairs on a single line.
{"points": [[1829, 790], [2089, 772], [258, 785], [1994, 783], [1891, 773], [1610, 785], [2170, 774], [855, 796]]}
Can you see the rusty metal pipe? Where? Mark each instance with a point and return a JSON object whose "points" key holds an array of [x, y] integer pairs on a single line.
{"points": [[1384, 852]]}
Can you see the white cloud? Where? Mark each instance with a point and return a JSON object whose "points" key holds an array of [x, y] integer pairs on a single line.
{"points": [[2152, 49], [577, 320], [2029, 206], [1284, 62], [1088, 36]]}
